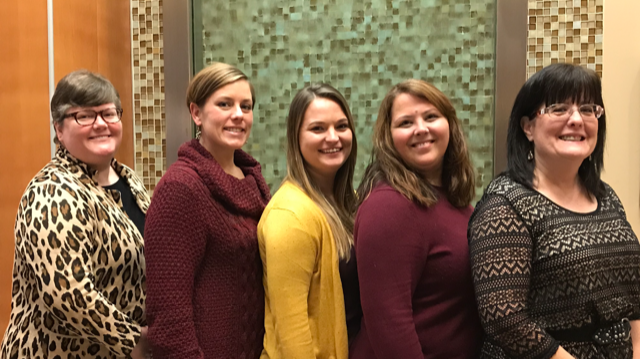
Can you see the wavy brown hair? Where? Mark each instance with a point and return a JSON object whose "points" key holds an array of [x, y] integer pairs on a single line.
{"points": [[458, 180], [340, 211]]}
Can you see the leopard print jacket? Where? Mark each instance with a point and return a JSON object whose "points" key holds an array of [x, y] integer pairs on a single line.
{"points": [[79, 270]]}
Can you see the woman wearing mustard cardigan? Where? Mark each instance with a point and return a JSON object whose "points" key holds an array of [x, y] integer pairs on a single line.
{"points": [[305, 234]]}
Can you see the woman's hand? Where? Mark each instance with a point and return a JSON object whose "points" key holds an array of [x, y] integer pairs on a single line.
{"points": [[141, 349], [562, 354], [635, 338]]}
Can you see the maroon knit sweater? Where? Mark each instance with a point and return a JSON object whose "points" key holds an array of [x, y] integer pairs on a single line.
{"points": [[204, 275], [415, 280]]}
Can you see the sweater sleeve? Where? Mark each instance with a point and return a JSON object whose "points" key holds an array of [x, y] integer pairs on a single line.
{"points": [[500, 249], [175, 242], [391, 258], [291, 250], [64, 270]]}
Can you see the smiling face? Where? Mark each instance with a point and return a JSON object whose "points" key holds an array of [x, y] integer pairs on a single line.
{"points": [[94, 145], [558, 139], [226, 117], [325, 138], [420, 134]]}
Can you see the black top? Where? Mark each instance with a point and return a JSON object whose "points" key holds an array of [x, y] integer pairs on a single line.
{"points": [[129, 204], [351, 291], [539, 268]]}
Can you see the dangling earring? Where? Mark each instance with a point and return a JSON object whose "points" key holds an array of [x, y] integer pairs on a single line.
{"points": [[198, 133], [589, 158], [530, 155]]}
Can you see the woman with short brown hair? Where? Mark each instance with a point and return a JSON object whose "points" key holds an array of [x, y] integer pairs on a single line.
{"points": [[79, 265], [410, 232]]}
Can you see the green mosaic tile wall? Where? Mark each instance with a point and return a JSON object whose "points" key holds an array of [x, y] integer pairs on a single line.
{"points": [[362, 48]]}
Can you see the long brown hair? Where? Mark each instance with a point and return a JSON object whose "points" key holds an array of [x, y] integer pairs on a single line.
{"points": [[340, 211], [387, 166]]}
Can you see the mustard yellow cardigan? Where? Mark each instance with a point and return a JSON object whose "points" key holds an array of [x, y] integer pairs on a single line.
{"points": [[304, 304]]}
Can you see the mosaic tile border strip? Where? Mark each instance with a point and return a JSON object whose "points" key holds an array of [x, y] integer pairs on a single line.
{"points": [[148, 91], [565, 31]]}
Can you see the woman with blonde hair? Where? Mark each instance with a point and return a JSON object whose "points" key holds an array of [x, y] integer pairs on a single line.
{"points": [[305, 234], [410, 232], [205, 296]]}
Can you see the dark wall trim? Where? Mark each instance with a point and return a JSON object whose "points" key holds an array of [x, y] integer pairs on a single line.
{"points": [[177, 73], [511, 70]]}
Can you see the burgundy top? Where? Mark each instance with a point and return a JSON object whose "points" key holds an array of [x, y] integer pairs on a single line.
{"points": [[204, 275], [415, 280]]}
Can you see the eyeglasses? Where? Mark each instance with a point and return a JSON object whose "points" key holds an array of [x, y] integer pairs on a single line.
{"points": [[89, 117], [588, 111]]}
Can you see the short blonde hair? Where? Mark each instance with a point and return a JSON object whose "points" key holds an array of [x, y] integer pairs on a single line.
{"points": [[212, 78]]}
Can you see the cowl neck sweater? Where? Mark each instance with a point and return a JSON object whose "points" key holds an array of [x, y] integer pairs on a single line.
{"points": [[205, 297], [247, 196]]}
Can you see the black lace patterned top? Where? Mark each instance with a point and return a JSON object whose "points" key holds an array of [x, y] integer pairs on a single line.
{"points": [[537, 267]]}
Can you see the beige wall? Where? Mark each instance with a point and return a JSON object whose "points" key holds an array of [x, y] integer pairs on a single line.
{"points": [[621, 87]]}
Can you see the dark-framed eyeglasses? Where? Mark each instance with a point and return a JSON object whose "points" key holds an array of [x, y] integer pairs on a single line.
{"points": [[561, 110], [89, 117]]}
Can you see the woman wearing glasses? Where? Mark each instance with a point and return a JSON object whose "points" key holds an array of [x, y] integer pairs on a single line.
{"points": [[79, 269], [555, 262]]}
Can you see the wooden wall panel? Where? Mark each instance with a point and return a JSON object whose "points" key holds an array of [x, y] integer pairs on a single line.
{"points": [[93, 35], [96, 35], [24, 110]]}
